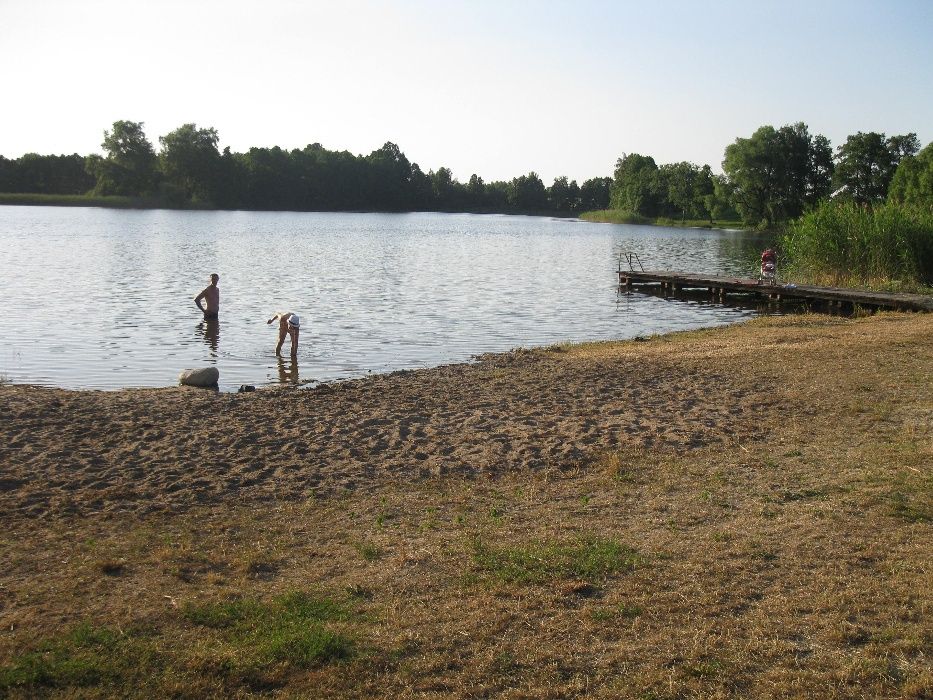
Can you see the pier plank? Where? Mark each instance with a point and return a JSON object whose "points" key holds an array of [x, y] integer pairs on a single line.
{"points": [[677, 281]]}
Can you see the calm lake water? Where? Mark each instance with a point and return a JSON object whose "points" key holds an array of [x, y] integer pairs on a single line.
{"points": [[101, 298]]}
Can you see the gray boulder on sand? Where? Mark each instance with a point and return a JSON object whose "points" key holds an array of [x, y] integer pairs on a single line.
{"points": [[205, 376]]}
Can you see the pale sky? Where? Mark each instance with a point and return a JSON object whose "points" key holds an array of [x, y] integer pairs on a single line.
{"points": [[497, 88]]}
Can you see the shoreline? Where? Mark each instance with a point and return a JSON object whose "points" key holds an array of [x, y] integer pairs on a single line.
{"points": [[425, 422], [147, 203]]}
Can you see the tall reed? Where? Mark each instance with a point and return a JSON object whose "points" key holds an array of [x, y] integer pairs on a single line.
{"points": [[889, 245]]}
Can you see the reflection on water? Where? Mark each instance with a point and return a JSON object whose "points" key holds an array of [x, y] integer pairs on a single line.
{"points": [[288, 371], [209, 330], [375, 292]]}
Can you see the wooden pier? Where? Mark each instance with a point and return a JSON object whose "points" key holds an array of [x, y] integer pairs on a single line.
{"points": [[721, 287]]}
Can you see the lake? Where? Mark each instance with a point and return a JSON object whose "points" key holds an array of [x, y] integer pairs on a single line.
{"points": [[103, 298]]}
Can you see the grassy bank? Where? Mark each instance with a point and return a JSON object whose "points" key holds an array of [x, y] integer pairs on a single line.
{"points": [[769, 537], [619, 216], [115, 202], [82, 200]]}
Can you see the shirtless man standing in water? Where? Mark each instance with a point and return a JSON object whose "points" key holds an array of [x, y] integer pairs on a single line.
{"points": [[211, 295], [288, 324]]}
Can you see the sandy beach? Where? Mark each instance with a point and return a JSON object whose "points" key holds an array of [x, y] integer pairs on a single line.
{"points": [[141, 450]]}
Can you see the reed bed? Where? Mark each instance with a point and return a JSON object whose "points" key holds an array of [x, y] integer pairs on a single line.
{"points": [[889, 246], [622, 216]]}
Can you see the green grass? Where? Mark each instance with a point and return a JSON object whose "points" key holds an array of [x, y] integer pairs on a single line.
{"points": [[369, 551], [614, 216], [619, 612], [619, 216], [592, 559], [290, 629], [911, 508], [242, 643], [87, 200], [82, 657]]}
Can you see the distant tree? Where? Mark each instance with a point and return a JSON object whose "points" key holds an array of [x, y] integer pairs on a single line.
{"points": [[820, 181], [913, 180], [307, 168], [903, 146], [129, 166], [680, 181], [866, 162], [594, 194], [527, 193], [45, 174], [230, 182], [719, 202], [6, 175], [704, 187], [388, 178], [269, 181], [563, 196], [476, 192], [776, 173], [422, 190], [498, 194], [635, 185], [189, 159], [444, 188]]}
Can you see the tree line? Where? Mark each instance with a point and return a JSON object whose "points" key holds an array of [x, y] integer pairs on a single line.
{"points": [[775, 175], [772, 176], [189, 168]]}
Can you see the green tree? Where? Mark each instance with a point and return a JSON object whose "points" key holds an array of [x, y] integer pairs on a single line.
{"points": [[498, 194], [476, 190], [681, 182], [444, 187], [421, 188], [6, 175], [563, 196], [704, 187], [719, 202], [594, 194], [45, 174], [528, 193], [388, 177], [129, 166], [189, 159], [269, 181], [913, 180], [752, 168], [866, 163], [776, 173], [820, 182], [635, 185]]}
